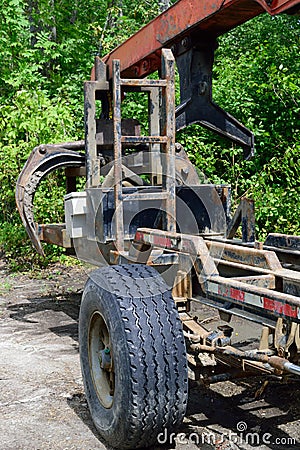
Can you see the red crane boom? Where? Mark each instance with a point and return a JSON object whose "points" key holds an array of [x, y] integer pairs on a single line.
{"points": [[141, 53]]}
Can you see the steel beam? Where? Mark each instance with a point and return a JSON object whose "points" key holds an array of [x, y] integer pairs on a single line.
{"points": [[140, 54]]}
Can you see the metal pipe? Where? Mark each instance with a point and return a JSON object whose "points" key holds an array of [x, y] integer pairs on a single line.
{"points": [[291, 368], [227, 376], [275, 362]]}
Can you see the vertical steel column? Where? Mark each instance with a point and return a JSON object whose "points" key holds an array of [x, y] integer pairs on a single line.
{"points": [[91, 156], [154, 130], [248, 220], [245, 216], [90, 134], [168, 129], [119, 222]]}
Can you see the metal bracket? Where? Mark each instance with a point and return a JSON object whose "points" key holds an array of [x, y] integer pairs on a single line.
{"points": [[245, 216], [195, 72]]}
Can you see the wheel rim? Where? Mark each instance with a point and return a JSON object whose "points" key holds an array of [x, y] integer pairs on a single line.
{"points": [[101, 360]]}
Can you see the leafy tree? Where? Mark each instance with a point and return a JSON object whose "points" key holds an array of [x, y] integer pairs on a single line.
{"points": [[47, 51], [256, 79]]}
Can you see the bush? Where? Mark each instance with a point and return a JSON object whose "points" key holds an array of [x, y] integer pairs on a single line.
{"points": [[47, 53]]}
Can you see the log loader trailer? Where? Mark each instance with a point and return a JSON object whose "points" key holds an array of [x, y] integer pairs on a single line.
{"points": [[163, 239]]}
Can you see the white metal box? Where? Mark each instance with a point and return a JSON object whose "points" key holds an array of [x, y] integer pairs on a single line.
{"points": [[75, 214]]}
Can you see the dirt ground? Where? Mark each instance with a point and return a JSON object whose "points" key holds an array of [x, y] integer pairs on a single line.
{"points": [[42, 403]]}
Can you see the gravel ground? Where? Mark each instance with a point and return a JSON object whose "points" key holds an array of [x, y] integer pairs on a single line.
{"points": [[42, 403]]}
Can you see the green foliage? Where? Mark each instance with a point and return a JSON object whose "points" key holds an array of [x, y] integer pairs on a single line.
{"points": [[16, 247], [122, 20], [256, 79], [261, 81], [29, 119], [276, 191], [47, 51]]}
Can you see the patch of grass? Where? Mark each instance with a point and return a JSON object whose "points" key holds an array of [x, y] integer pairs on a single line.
{"points": [[6, 287]]}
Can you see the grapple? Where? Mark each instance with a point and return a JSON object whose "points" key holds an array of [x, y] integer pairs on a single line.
{"points": [[43, 160]]}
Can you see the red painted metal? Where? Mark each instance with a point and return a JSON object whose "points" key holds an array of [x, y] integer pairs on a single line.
{"points": [[158, 241], [274, 302], [281, 308], [237, 294], [141, 53]]}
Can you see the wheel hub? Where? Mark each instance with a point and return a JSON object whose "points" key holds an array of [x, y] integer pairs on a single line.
{"points": [[101, 361]]}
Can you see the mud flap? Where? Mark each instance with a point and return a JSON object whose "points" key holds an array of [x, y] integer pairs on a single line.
{"points": [[43, 160]]}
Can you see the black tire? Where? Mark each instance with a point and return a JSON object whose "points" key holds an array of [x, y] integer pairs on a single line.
{"points": [[149, 392]]}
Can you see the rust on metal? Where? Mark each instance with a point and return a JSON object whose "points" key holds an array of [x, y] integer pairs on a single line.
{"points": [[284, 241], [274, 302], [276, 362], [243, 255], [243, 215], [264, 357], [182, 288], [248, 278], [266, 280], [43, 160], [165, 140], [119, 220], [177, 23], [54, 234], [168, 131], [252, 296]]}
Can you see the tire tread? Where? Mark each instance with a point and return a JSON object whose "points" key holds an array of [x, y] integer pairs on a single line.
{"points": [[156, 349]]}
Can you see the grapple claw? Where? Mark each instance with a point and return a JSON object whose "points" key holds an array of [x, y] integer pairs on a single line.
{"points": [[43, 160]]}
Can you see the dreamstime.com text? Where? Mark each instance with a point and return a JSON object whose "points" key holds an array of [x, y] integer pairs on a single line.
{"points": [[241, 436]]}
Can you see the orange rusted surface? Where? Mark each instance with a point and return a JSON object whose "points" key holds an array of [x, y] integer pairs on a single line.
{"points": [[140, 54]]}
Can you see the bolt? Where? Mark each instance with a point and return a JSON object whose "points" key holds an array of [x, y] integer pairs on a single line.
{"points": [[178, 147], [202, 87], [185, 42], [145, 65], [174, 49]]}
